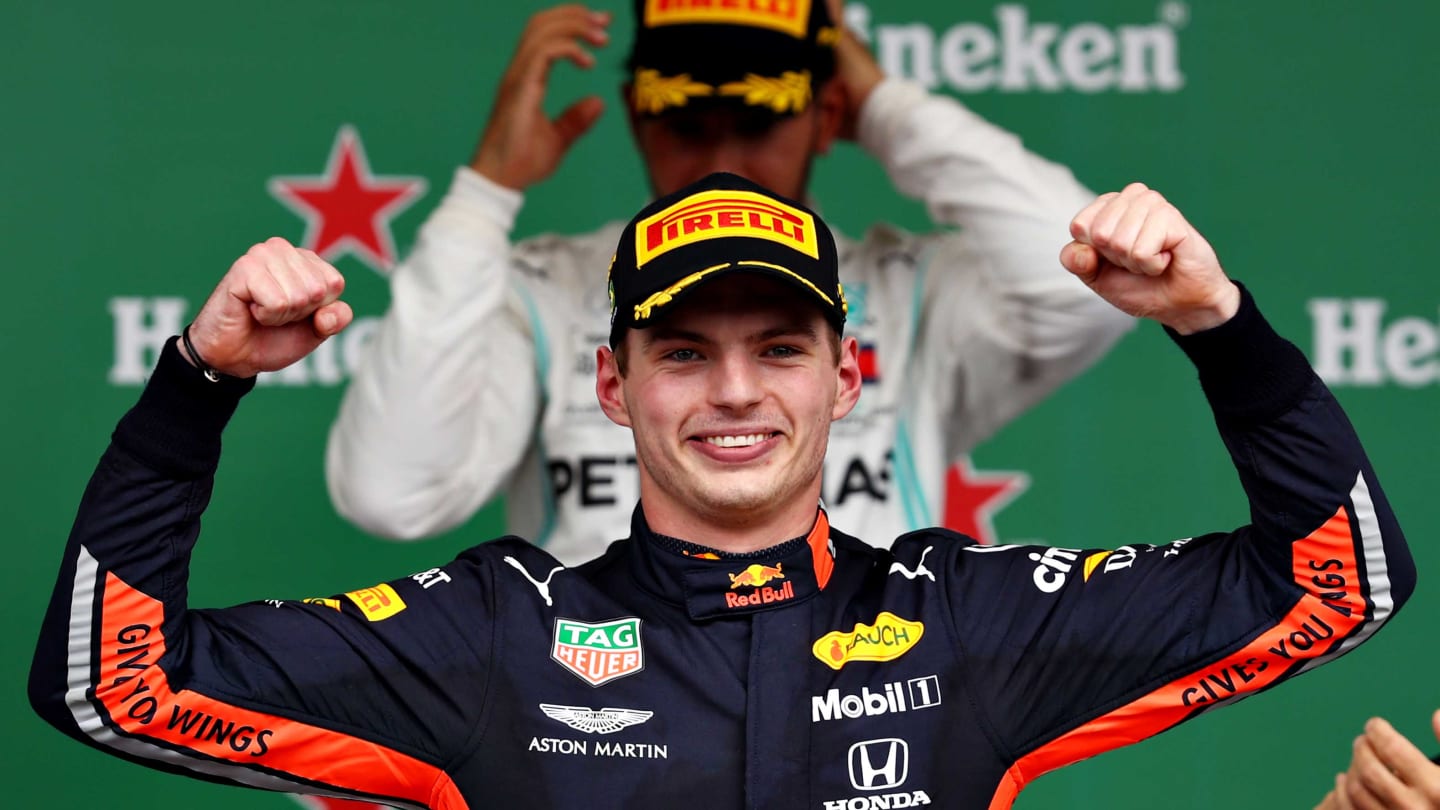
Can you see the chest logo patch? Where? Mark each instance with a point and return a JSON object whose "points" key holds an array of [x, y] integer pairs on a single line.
{"points": [[598, 653], [377, 603], [889, 638], [595, 721]]}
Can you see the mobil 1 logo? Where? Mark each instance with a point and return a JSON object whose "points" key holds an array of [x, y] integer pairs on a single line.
{"points": [[896, 696]]}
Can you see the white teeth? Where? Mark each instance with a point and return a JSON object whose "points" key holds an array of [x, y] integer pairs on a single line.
{"points": [[736, 441]]}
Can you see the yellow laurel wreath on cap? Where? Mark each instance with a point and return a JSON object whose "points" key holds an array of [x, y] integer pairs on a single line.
{"points": [[788, 93], [652, 93]]}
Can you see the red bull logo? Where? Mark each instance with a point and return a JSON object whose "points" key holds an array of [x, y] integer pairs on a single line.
{"points": [[717, 214], [788, 16], [756, 576]]}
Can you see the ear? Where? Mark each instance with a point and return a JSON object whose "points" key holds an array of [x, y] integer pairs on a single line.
{"points": [[830, 112], [847, 391], [610, 387]]}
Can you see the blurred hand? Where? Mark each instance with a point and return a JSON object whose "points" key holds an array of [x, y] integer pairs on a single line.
{"points": [[277, 303], [521, 145], [1387, 772], [1136, 251]]}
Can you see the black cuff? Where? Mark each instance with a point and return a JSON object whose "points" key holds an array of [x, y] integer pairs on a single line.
{"points": [[175, 427], [1248, 371]]}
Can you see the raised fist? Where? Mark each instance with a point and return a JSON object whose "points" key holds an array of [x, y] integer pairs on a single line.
{"points": [[277, 303], [1136, 251]]}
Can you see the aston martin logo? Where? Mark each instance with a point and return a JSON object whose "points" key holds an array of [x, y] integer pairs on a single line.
{"points": [[595, 721]]}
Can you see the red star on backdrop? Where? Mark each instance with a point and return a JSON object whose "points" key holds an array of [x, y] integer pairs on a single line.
{"points": [[972, 498], [347, 209]]}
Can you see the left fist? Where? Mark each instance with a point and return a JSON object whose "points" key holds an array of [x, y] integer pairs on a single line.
{"points": [[1135, 250]]}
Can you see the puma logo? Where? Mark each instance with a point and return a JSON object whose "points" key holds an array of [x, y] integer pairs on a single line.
{"points": [[542, 587], [920, 570]]}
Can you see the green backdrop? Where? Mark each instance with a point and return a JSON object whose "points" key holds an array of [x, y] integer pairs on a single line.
{"points": [[139, 141]]}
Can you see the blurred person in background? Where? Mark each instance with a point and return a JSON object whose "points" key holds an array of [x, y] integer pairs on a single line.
{"points": [[479, 380]]}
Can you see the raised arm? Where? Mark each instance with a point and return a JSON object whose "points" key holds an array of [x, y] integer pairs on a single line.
{"points": [[1126, 642], [443, 409], [320, 696]]}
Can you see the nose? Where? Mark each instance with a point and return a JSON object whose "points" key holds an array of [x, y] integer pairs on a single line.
{"points": [[736, 383]]}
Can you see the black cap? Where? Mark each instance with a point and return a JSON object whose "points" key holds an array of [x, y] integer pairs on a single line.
{"points": [[720, 225], [766, 53]]}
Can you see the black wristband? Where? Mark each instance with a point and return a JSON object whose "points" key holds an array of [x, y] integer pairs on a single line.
{"points": [[210, 373]]}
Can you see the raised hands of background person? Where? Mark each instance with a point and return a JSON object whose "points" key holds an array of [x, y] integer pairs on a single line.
{"points": [[856, 72], [1135, 250], [275, 305], [522, 145], [1387, 772]]}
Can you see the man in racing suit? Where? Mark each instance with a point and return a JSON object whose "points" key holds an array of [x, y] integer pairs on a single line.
{"points": [[706, 661], [479, 377]]}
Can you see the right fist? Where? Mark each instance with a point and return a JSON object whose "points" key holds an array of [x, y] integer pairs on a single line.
{"points": [[277, 303], [1136, 250]]}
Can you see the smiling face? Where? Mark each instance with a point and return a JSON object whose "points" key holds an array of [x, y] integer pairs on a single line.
{"points": [[730, 398]]}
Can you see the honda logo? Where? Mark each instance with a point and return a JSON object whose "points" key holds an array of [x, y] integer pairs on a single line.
{"points": [[879, 764]]}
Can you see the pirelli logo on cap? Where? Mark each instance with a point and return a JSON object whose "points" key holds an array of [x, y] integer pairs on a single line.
{"points": [[717, 214], [786, 16]]}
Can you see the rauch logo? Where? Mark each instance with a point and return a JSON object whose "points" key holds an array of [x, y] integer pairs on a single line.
{"points": [[889, 638]]}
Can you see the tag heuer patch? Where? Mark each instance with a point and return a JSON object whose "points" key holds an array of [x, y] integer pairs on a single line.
{"points": [[599, 653]]}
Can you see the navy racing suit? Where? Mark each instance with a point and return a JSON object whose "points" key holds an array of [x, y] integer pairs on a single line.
{"points": [[820, 673]]}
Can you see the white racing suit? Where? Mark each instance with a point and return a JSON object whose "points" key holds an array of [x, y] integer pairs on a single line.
{"points": [[480, 379]]}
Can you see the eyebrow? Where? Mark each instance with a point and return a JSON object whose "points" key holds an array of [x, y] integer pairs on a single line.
{"points": [[658, 334]]}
